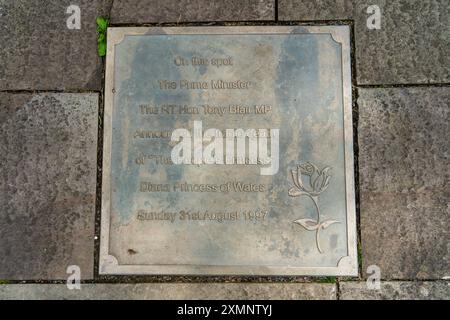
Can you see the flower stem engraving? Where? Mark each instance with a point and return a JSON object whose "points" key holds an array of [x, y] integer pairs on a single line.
{"points": [[319, 181]]}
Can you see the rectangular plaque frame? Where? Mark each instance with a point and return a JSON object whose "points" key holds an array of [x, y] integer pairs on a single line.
{"points": [[347, 265]]}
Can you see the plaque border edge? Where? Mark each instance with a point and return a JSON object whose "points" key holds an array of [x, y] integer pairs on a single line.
{"points": [[346, 266]]}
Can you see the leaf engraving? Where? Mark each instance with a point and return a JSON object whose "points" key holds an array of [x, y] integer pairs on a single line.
{"points": [[328, 223], [319, 180], [308, 224]]}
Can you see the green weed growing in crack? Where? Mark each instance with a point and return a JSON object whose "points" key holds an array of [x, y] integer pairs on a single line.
{"points": [[102, 26], [360, 255], [326, 280]]}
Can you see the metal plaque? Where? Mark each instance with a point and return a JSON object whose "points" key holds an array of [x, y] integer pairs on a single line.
{"points": [[228, 151]]}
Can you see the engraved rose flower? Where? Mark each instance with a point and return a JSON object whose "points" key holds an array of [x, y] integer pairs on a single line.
{"points": [[317, 181]]}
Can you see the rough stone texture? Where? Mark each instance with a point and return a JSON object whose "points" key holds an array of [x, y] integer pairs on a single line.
{"points": [[159, 11], [411, 47], [396, 290], [39, 52], [404, 181], [308, 10], [48, 183], [155, 291]]}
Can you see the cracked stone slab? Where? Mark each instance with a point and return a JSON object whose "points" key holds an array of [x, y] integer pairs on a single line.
{"points": [[309, 10], [175, 291], [48, 152], [404, 181], [39, 52], [411, 46], [159, 11], [396, 290]]}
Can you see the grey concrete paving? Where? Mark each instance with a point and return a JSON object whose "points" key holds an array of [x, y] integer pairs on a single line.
{"points": [[39, 52], [48, 143], [410, 48], [310, 10], [48, 152], [396, 290], [404, 181], [159, 11], [166, 291]]}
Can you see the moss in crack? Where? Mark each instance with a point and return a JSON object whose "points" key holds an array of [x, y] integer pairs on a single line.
{"points": [[3, 281], [102, 26], [326, 280], [360, 256]]}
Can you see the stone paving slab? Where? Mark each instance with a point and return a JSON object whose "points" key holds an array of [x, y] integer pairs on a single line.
{"points": [[310, 10], [396, 290], [404, 181], [48, 152], [410, 48], [39, 52], [160, 11], [166, 291]]}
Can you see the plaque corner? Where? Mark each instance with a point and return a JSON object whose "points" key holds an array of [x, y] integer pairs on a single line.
{"points": [[340, 35], [115, 36], [108, 263], [348, 266]]}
